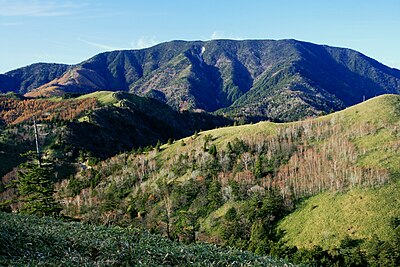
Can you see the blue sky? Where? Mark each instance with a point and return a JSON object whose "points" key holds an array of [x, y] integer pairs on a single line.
{"points": [[70, 31]]}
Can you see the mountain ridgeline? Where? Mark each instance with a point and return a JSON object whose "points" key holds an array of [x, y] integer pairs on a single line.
{"points": [[253, 79], [25, 79]]}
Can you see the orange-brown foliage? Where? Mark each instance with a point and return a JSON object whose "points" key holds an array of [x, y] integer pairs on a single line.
{"points": [[14, 111]]}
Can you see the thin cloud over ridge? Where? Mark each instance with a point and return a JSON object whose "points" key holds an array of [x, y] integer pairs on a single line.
{"points": [[144, 42], [101, 46], [221, 35]]}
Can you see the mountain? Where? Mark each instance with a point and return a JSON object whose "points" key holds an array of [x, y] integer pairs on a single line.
{"points": [[251, 79], [251, 187], [26, 79]]}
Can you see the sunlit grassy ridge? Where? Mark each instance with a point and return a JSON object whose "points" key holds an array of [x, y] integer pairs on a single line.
{"points": [[31, 241], [360, 213], [378, 113], [104, 97], [221, 136]]}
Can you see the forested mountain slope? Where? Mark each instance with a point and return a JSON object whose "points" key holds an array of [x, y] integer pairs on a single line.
{"points": [[280, 80]]}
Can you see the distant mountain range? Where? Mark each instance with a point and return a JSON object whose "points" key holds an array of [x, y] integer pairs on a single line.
{"points": [[252, 79]]}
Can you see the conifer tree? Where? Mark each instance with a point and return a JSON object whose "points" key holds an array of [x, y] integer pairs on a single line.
{"points": [[35, 188]]}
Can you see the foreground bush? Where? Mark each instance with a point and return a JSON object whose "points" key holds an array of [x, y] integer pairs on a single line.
{"points": [[31, 241]]}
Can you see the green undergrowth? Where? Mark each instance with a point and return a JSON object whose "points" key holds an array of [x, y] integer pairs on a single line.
{"points": [[33, 241]]}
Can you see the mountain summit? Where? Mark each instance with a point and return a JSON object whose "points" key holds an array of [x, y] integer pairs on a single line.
{"points": [[256, 79]]}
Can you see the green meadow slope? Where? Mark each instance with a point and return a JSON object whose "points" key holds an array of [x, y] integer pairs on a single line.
{"points": [[319, 180], [360, 213], [326, 219]]}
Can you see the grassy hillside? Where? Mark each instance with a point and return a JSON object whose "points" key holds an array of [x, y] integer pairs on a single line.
{"points": [[234, 186], [129, 121], [361, 214], [320, 191], [31, 241]]}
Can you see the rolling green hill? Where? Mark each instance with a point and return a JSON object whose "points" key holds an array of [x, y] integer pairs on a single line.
{"points": [[128, 121], [319, 182], [319, 191], [328, 218]]}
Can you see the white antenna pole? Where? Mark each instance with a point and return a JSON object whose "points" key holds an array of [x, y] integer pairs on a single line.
{"points": [[37, 140]]}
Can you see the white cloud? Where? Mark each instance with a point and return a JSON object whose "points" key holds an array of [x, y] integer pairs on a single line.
{"points": [[10, 24], [100, 46], [217, 35], [144, 42], [36, 8], [221, 35]]}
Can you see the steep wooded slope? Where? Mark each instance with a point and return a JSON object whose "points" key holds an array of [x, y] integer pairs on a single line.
{"points": [[102, 123]]}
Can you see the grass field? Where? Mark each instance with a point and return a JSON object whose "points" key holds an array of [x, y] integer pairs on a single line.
{"points": [[104, 97], [328, 218]]}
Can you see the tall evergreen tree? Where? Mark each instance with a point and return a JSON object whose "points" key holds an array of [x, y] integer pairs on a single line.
{"points": [[35, 187]]}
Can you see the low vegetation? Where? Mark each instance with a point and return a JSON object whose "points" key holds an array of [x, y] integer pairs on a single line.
{"points": [[32, 241]]}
